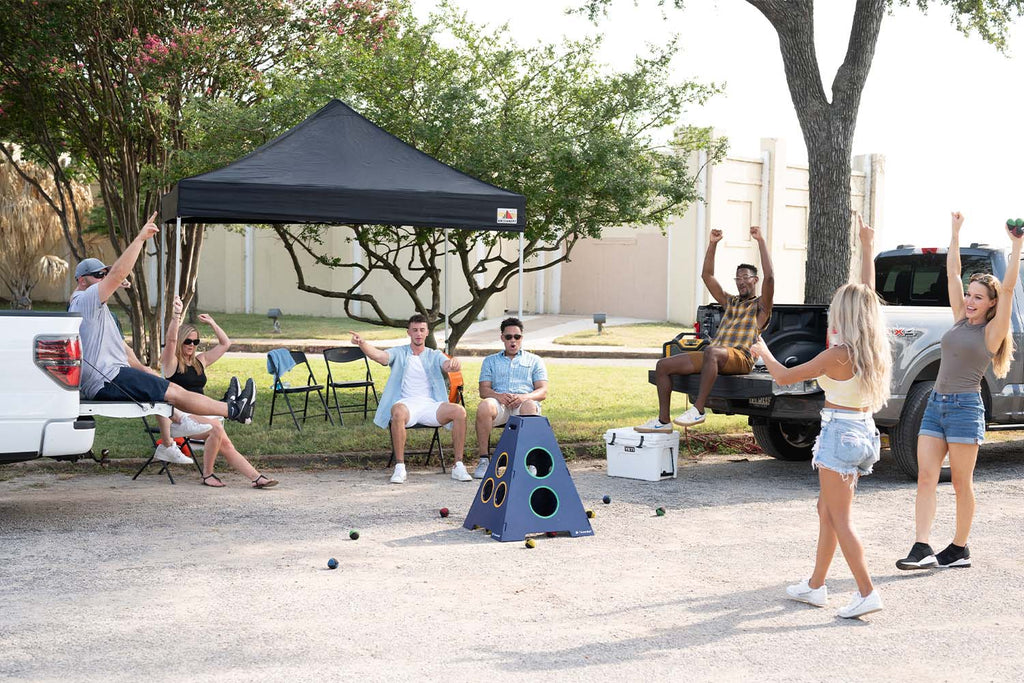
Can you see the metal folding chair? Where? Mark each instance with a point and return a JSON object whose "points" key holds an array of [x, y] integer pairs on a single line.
{"points": [[349, 354], [281, 390], [185, 447]]}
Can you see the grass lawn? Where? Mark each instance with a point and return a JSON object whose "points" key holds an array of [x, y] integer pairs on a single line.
{"points": [[584, 402], [641, 335]]}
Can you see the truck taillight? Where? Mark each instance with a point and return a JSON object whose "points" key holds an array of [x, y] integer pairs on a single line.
{"points": [[61, 358]]}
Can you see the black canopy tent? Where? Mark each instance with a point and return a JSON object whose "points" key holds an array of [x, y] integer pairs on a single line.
{"points": [[337, 167]]}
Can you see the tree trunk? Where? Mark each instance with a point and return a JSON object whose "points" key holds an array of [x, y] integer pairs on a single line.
{"points": [[828, 224]]}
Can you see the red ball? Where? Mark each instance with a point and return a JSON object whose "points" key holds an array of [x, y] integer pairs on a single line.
{"points": [[444, 512]]}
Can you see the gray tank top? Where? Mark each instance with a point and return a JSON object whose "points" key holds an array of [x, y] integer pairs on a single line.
{"points": [[964, 359]]}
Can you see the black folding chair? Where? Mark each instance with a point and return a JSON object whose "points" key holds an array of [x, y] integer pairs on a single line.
{"points": [[349, 354], [185, 446], [310, 386]]}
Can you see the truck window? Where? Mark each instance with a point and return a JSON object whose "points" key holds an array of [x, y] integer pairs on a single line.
{"points": [[920, 279]]}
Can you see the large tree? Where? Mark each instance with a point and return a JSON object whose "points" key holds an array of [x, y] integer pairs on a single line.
{"points": [[99, 89], [828, 120], [546, 121]]}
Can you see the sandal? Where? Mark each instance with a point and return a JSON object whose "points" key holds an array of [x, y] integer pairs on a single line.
{"points": [[266, 482], [218, 485]]}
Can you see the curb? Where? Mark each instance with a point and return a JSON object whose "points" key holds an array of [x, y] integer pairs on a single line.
{"points": [[261, 346]]}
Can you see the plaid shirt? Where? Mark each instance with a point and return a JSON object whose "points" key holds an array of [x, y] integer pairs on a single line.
{"points": [[738, 328]]}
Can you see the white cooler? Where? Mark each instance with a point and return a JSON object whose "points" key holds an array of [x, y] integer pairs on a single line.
{"points": [[651, 457]]}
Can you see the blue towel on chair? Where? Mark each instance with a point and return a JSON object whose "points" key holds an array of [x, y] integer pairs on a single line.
{"points": [[282, 360]]}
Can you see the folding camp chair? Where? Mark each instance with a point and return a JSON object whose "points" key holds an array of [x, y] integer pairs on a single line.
{"points": [[349, 354], [454, 396], [280, 389], [185, 446]]}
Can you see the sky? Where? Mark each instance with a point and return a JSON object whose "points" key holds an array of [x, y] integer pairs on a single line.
{"points": [[945, 110]]}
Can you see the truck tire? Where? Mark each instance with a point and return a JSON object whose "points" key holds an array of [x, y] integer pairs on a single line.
{"points": [[791, 441], [903, 437]]}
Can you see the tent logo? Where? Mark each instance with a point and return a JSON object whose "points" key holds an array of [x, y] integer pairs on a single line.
{"points": [[507, 216]]}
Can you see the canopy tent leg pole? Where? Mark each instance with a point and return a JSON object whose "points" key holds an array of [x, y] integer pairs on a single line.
{"points": [[177, 257], [447, 348], [161, 248], [520, 276]]}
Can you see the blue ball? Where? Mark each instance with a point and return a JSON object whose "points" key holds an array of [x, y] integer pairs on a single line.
{"points": [[607, 499], [332, 563]]}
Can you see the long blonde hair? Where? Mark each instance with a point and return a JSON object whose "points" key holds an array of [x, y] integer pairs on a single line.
{"points": [[1003, 356], [856, 314], [179, 355]]}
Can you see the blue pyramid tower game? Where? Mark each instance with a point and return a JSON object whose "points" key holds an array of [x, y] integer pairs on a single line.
{"points": [[513, 502]]}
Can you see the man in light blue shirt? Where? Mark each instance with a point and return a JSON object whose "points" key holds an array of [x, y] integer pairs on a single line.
{"points": [[512, 382], [416, 394]]}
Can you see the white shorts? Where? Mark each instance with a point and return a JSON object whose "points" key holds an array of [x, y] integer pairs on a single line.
{"points": [[504, 413], [422, 410]]}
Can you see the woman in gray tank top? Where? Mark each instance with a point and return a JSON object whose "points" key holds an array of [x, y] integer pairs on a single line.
{"points": [[954, 418]]}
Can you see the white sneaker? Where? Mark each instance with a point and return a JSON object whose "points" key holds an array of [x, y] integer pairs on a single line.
{"points": [[481, 468], [802, 592], [172, 454], [189, 427], [859, 606], [459, 472], [690, 418], [654, 426], [399, 476]]}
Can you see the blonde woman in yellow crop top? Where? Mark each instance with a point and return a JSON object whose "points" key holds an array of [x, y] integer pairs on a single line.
{"points": [[854, 373]]}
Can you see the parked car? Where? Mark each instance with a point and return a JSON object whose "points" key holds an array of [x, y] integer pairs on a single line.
{"points": [[912, 281]]}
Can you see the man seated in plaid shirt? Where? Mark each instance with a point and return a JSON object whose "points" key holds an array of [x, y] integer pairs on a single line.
{"points": [[512, 382], [746, 315]]}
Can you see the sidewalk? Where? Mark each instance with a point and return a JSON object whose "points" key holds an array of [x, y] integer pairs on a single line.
{"points": [[482, 339]]}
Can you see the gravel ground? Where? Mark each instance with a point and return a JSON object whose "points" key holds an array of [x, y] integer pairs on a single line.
{"points": [[102, 579]]}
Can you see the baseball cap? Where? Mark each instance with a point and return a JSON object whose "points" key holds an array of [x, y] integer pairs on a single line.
{"points": [[89, 265]]}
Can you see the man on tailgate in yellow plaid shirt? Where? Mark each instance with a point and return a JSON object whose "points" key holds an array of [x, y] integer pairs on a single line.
{"points": [[746, 315]]}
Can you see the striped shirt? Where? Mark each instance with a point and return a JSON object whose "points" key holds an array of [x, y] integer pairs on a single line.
{"points": [[738, 328], [514, 375]]}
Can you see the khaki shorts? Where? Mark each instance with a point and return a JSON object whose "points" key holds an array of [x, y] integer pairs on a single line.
{"points": [[736, 364], [504, 413]]}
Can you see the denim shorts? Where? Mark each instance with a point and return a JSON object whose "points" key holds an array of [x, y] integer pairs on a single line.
{"points": [[954, 418], [849, 447], [130, 384]]}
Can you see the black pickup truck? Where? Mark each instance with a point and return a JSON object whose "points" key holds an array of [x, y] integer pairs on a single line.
{"points": [[912, 281]]}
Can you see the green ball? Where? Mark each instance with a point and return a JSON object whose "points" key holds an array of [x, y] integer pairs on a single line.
{"points": [[354, 535], [660, 512]]}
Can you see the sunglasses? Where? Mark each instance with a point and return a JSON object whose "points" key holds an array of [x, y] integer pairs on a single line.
{"points": [[190, 342], [510, 337], [99, 274]]}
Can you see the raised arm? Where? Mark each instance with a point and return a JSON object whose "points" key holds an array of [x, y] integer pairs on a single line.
{"points": [[126, 261], [764, 312], [867, 253], [168, 359], [707, 274], [995, 331], [819, 365], [212, 355], [954, 283], [371, 351]]}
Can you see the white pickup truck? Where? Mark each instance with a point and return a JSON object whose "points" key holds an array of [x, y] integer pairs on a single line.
{"points": [[41, 413]]}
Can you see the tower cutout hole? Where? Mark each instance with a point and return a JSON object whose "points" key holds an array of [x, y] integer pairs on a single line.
{"points": [[486, 490], [499, 494], [501, 465], [541, 460], [544, 502]]}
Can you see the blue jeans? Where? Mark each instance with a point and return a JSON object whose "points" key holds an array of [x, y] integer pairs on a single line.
{"points": [[954, 418], [847, 446]]}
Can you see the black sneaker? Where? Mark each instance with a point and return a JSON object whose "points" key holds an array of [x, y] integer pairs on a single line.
{"points": [[954, 556], [240, 410], [921, 556]]}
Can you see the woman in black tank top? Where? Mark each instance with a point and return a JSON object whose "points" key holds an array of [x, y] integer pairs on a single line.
{"points": [[954, 416], [184, 365]]}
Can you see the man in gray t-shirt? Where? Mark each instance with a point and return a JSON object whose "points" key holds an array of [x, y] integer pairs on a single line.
{"points": [[106, 373]]}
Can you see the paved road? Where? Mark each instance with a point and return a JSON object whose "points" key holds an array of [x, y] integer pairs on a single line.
{"points": [[104, 579]]}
